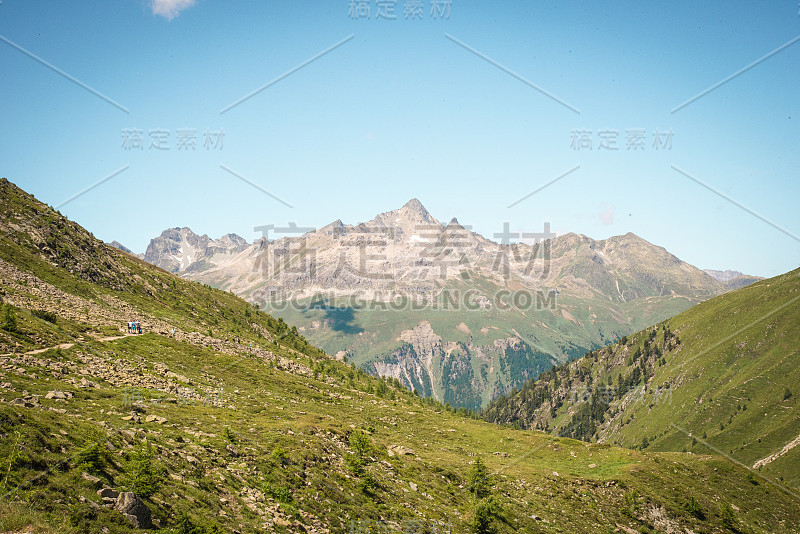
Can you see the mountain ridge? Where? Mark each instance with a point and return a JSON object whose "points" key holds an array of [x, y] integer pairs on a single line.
{"points": [[343, 284]]}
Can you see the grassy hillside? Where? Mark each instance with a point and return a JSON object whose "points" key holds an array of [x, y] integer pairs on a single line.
{"points": [[722, 377], [233, 423]]}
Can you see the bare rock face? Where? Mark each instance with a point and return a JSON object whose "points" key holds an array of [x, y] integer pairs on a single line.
{"points": [[176, 249], [132, 507]]}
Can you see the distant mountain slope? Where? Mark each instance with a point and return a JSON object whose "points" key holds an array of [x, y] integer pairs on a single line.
{"points": [[501, 313], [724, 276], [741, 281], [733, 279], [724, 374]]}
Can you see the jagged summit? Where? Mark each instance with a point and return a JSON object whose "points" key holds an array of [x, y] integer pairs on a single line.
{"points": [[415, 209], [176, 249], [415, 204], [407, 220]]}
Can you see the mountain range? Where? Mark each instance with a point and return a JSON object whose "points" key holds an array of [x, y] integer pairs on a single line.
{"points": [[447, 312]]}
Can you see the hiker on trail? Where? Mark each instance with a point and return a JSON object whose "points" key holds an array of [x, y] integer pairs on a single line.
{"points": [[130, 327]]}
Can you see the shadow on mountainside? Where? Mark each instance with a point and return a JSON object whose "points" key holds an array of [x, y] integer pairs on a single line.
{"points": [[340, 319]]}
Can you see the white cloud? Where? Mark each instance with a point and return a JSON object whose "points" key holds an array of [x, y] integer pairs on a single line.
{"points": [[607, 217], [170, 8]]}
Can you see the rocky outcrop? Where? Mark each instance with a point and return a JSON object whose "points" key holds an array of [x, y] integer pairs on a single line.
{"points": [[134, 509]]}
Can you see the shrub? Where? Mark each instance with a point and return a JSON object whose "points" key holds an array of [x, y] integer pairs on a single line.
{"points": [[367, 482], [185, 525], [279, 454], [279, 493], [478, 480], [787, 394], [486, 511], [728, 519], [693, 507], [45, 315], [143, 474], [228, 435], [8, 322], [94, 457]]}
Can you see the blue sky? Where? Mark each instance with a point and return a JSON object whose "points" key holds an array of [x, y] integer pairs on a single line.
{"points": [[469, 112]]}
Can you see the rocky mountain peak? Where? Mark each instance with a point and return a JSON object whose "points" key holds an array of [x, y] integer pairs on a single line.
{"points": [[415, 204], [414, 209], [176, 249], [117, 244]]}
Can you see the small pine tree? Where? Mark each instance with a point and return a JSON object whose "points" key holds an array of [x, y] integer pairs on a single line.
{"points": [[93, 457], [143, 474], [9, 320], [479, 481], [362, 449], [787, 394], [728, 518], [486, 511]]}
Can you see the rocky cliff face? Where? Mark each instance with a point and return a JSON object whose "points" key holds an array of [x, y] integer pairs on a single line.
{"points": [[179, 250]]}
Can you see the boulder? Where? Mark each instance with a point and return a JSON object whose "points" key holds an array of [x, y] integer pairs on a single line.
{"points": [[132, 507], [155, 419], [400, 450], [58, 395], [26, 402]]}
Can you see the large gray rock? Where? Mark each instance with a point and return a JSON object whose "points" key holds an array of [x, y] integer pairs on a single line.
{"points": [[58, 395], [131, 506]]}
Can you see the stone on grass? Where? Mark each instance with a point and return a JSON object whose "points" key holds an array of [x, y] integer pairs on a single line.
{"points": [[134, 509]]}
